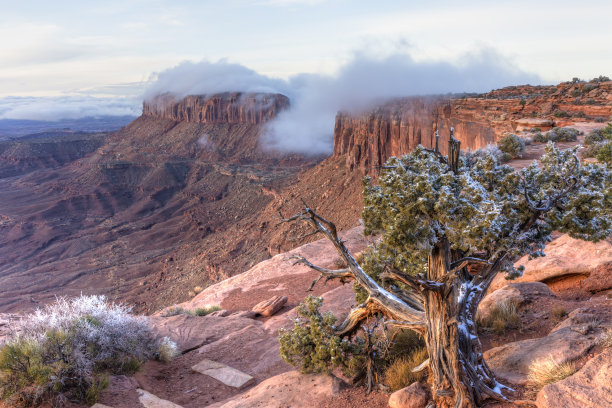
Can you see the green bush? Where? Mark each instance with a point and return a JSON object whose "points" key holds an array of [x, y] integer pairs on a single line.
{"points": [[594, 137], [561, 114], [203, 311], [312, 345], [67, 350], [588, 87], [599, 144], [512, 145], [562, 134]]}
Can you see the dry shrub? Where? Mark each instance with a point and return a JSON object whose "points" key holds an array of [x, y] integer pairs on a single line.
{"points": [[548, 371], [399, 374], [503, 316], [198, 289], [558, 313], [606, 338], [167, 350]]}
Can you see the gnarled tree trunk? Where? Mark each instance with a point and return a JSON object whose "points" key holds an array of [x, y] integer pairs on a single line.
{"points": [[459, 375]]}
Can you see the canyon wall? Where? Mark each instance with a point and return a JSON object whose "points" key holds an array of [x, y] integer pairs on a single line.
{"points": [[366, 140], [224, 108]]}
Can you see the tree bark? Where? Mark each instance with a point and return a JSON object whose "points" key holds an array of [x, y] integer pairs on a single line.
{"points": [[460, 377]]}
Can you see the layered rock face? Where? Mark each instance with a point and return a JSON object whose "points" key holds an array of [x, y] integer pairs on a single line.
{"points": [[366, 140], [398, 127], [224, 108]]}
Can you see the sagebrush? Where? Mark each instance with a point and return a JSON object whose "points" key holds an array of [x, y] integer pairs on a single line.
{"points": [[68, 348]]}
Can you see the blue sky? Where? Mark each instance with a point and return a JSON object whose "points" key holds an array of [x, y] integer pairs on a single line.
{"points": [[113, 49]]}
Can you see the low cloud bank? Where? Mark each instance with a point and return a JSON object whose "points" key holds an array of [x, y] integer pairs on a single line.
{"points": [[307, 127], [67, 107]]}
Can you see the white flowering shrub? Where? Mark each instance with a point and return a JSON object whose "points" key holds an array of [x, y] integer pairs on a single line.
{"points": [[67, 348]]}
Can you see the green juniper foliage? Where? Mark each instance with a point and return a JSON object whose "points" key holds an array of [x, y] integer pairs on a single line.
{"points": [[313, 346], [481, 209]]}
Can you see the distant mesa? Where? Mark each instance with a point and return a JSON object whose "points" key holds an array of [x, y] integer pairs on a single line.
{"points": [[222, 108]]}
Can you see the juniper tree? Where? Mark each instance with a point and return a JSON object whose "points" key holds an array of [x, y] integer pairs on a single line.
{"points": [[448, 226]]}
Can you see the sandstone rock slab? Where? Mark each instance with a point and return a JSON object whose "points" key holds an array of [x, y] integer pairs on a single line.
{"points": [[149, 400], [269, 307], [565, 256], [511, 361], [221, 372], [290, 389], [251, 349], [590, 387], [413, 396], [191, 332]]}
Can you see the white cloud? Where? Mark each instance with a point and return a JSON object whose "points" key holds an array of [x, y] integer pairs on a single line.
{"points": [[67, 107], [307, 126]]}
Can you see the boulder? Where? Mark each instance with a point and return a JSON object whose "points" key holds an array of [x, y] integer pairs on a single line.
{"points": [[413, 396], [269, 307], [191, 332], [521, 293], [290, 389], [565, 257], [511, 361], [590, 387]]}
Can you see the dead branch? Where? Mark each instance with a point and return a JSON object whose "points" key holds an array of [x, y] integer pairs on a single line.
{"points": [[327, 273]]}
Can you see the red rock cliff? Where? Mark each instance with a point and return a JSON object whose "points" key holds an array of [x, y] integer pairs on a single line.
{"points": [[398, 127], [393, 129], [224, 108]]}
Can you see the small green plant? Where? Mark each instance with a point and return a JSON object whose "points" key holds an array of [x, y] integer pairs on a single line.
{"points": [[312, 345], [203, 311], [548, 371], [501, 317], [512, 145], [399, 374]]}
